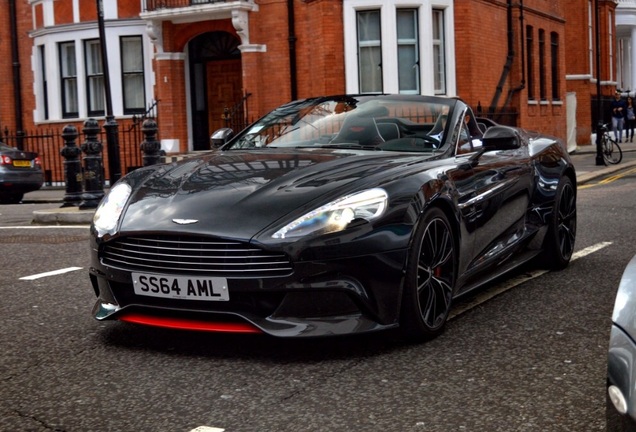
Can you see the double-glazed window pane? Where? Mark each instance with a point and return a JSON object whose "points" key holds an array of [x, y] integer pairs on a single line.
{"points": [[408, 60], [94, 77], [68, 68], [133, 74], [369, 51], [403, 45], [542, 75], [45, 85], [439, 60], [554, 58], [530, 62]]}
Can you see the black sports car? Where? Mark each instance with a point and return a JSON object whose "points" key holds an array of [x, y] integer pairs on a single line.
{"points": [[330, 216]]}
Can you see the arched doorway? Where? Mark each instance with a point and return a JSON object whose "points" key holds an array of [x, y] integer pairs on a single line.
{"points": [[215, 82]]}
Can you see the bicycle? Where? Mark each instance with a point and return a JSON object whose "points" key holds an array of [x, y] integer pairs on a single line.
{"points": [[612, 152]]}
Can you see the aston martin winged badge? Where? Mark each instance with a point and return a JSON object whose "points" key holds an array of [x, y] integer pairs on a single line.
{"points": [[185, 221]]}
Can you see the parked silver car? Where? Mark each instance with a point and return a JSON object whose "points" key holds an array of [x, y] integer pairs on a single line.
{"points": [[621, 365], [20, 172]]}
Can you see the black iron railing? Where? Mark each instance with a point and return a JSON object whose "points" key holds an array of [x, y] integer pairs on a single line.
{"points": [[48, 143], [238, 117]]}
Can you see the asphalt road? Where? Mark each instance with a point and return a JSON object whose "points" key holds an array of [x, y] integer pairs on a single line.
{"points": [[531, 358]]}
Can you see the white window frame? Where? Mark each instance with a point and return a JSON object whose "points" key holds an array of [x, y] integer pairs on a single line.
{"points": [[134, 92], [389, 43], [94, 78], [369, 44], [39, 63], [68, 77], [51, 37], [414, 45], [440, 43]]}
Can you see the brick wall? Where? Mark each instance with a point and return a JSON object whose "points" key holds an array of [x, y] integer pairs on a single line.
{"points": [[171, 92], [481, 53], [577, 64], [320, 60], [64, 12], [490, 74]]}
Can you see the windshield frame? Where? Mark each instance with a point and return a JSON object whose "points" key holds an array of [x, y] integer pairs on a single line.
{"points": [[414, 118]]}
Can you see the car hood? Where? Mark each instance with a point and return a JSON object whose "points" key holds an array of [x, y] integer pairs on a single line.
{"points": [[239, 194]]}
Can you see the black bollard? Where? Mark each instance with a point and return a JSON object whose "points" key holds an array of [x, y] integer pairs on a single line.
{"points": [[72, 167], [93, 166], [150, 147]]}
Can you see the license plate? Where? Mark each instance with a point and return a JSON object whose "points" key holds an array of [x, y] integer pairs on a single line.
{"points": [[22, 163], [181, 287]]}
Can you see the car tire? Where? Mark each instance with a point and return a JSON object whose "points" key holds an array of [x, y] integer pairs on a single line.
{"points": [[11, 198], [559, 242], [430, 278]]}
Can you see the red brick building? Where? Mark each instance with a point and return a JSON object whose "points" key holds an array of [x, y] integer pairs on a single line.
{"points": [[209, 63]]}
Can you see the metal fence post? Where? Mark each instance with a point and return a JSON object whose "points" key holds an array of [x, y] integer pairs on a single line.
{"points": [[150, 147], [72, 167], [93, 166]]}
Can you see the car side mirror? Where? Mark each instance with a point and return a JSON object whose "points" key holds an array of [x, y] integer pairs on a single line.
{"points": [[501, 138], [495, 138], [220, 137]]}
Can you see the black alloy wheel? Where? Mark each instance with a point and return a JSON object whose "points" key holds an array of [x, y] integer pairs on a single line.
{"points": [[559, 242], [430, 278]]}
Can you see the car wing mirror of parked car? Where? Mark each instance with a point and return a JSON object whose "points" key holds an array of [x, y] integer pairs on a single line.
{"points": [[220, 137]]}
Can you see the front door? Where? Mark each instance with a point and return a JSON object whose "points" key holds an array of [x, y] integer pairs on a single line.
{"points": [[215, 83]]}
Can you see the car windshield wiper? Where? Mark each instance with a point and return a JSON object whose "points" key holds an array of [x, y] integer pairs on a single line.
{"points": [[351, 146]]}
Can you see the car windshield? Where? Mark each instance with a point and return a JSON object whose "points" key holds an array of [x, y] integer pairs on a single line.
{"points": [[391, 123]]}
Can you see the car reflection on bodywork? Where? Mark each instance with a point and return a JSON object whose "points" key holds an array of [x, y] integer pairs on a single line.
{"points": [[20, 172], [333, 215]]}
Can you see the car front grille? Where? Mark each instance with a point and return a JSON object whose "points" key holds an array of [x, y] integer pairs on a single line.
{"points": [[193, 255]]}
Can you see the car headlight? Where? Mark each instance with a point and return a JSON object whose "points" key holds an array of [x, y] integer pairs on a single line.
{"points": [[109, 210], [336, 215]]}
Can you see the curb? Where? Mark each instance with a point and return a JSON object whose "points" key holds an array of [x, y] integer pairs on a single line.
{"points": [[63, 216], [589, 176]]}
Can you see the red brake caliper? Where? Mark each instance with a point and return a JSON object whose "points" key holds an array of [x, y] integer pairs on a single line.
{"points": [[437, 271]]}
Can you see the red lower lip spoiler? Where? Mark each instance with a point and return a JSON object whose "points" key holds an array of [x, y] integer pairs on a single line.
{"points": [[189, 324]]}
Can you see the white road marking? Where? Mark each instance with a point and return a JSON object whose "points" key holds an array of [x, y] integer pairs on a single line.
{"points": [[207, 429], [51, 273], [511, 283], [45, 226], [590, 249]]}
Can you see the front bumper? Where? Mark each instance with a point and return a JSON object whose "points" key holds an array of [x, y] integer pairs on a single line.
{"points": [[621, 374], [319, 298]]}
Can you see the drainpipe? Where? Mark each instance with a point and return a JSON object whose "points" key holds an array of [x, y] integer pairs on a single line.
{"points": [[522, 85], [15, 57], [292, 49], [509, 59]]}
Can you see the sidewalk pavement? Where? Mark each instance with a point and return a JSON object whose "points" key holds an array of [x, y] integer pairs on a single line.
{"points": [[584, 159]]}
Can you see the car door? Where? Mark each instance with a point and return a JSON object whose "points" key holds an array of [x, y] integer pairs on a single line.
{"points": [[493, 206]]}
